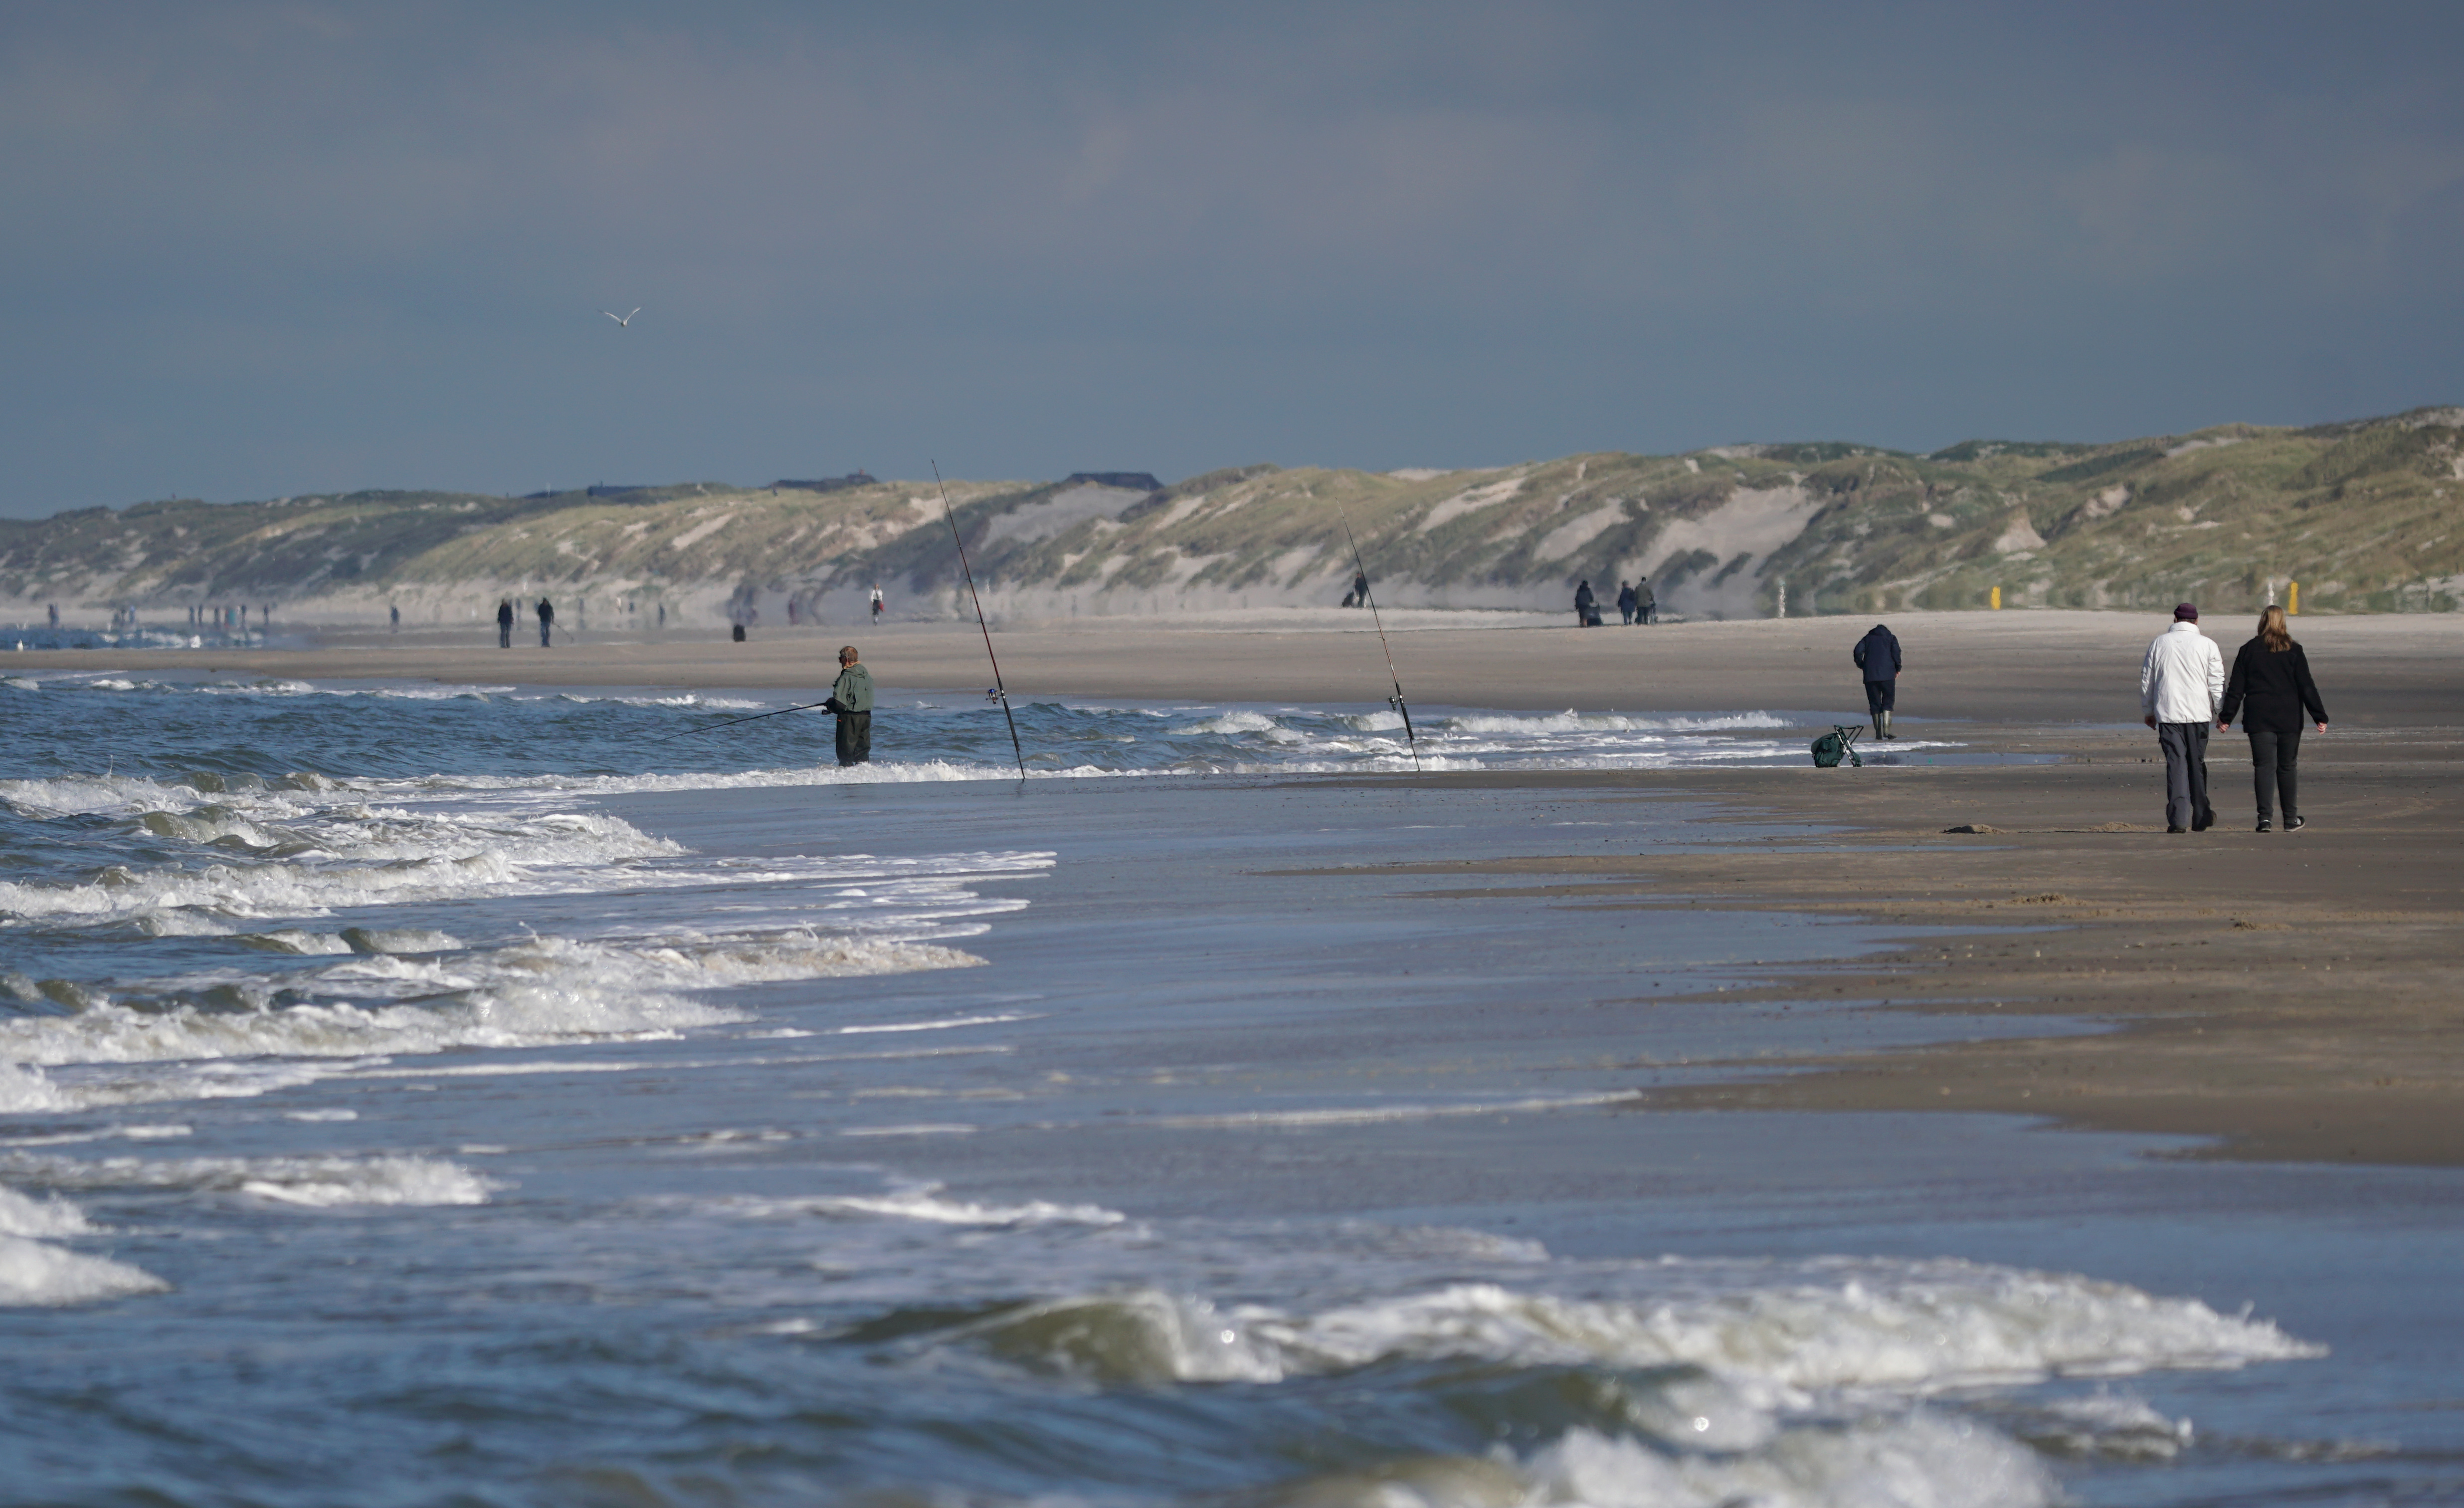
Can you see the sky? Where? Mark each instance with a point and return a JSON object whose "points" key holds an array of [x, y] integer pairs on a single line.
{"points": [[270, 249]]}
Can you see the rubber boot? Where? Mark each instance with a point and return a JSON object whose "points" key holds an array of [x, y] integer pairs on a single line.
{"points": [[1882, 725]]}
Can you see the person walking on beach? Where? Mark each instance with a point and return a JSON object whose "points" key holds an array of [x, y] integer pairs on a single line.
{"points": [[504, 622], [394, 611], [1587, 607], [547, 619], [877, 603], [2181, 684], [1646, 607], [1625, 604], [2271, 689], [1878, 656], [1359, 588], [850, 699]]}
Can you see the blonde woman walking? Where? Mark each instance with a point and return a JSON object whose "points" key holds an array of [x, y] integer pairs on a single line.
{"points": [[2271, 689]]}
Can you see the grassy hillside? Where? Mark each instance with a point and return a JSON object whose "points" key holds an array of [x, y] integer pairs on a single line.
{"points": [[2361, 514]]}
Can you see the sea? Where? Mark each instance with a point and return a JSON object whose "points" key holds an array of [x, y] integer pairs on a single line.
{"points": [[495, 1095]]}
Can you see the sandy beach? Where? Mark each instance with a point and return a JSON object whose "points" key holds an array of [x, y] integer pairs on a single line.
{"points": [[2289, 994], [2018, 668]]}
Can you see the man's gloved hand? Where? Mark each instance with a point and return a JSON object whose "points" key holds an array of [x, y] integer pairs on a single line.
{"points": [[833, 705]]}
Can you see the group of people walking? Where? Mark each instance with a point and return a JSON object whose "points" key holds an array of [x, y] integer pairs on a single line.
{"points": [[1634, 603]]}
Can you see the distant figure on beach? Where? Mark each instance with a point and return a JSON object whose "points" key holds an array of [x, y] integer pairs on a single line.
{"points": [[55, 615], [1587, 607], [1626, 603], [1646, 607], [394, 611], [1360, 590], [2273, 674], [504, 622], [547, 619], [663, 615], [1878, 656], [877, 603], [850, 700], [2181, 685]]}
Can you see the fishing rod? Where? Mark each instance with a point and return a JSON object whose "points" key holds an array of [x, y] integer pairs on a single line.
{"points": [[1394, 701], [1000, 692], [711, 728]]}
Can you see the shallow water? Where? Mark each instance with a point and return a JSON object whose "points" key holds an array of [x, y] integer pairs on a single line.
{"points": [[411, 1096]]}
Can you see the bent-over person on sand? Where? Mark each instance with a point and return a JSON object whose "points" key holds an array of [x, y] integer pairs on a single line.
{"points": [[2181, 687], [850, 699]]}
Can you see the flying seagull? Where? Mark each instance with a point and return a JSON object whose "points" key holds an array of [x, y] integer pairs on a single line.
{"points": [[625, 324]]}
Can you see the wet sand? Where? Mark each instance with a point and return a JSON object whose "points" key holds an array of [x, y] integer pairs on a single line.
{"points": [[2291, 995]]}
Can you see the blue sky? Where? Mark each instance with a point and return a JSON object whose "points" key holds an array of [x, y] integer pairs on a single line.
{"points": [[266, 249]]}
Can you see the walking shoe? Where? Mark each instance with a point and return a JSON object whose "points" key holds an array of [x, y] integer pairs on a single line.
{"points": [[2177, 829], [2292, 822], [2266, 826]]}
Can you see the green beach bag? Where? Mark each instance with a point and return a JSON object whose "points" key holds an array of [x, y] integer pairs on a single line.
{"points": [[1840, 743]]}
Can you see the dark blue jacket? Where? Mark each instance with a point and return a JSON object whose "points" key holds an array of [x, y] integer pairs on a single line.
{"points": [[1877, 654]]}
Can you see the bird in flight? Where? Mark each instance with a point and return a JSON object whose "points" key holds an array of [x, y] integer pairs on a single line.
{"points": [[624, 323]]}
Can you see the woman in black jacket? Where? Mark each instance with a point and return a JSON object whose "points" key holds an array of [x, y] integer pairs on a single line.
{"points": [[2273, 676]]}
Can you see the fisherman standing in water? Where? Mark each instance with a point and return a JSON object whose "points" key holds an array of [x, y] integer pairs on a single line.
{"points": [[851, 698]]}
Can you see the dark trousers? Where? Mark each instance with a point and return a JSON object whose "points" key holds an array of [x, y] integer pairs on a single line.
{"points": [[855, 737], [2271, 757], [544, 624], [504, 636], [1880, 696], [2186, 774]]}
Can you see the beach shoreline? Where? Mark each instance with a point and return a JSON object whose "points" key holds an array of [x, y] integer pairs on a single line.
{"points": [[2282, 992], [2287, 996], [2014, 667]]}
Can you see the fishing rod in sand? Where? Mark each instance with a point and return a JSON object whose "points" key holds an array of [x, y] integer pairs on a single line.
{"points": [[1000, 692], [1394, 701]]}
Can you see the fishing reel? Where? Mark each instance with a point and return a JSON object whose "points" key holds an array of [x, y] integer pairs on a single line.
{"points": [[994, 694]]}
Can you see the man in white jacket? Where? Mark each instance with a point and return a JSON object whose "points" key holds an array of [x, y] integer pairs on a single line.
{"points": [[2181, 685]]}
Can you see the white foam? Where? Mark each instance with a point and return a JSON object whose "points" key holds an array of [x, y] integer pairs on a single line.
{"points": [[1918, 1460], [539, 992], [379, 859], [1571, 721], [1370, 1114], [946, 1023], [319, 1182], [21, 1216], [34, 1273], [926, 1204]]}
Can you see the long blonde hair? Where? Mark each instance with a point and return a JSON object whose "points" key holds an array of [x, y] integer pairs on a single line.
{"points": [[2273, 631]]}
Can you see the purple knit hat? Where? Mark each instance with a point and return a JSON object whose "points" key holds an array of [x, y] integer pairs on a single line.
{"points": [[2186, 613]]}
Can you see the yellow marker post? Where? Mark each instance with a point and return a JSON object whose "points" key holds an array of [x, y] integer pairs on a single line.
{"points": [[2292, 598], [1997, 599]]}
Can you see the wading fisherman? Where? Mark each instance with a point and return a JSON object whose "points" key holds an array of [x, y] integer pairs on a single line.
{"points": [[851, 698]]}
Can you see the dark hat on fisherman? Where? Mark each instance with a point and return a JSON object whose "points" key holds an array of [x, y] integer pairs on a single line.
{"points": [[2186, 613]]}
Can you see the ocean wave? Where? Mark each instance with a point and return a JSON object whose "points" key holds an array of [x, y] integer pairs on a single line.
{"points": [[1907, 1329], [312, 1182]]}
